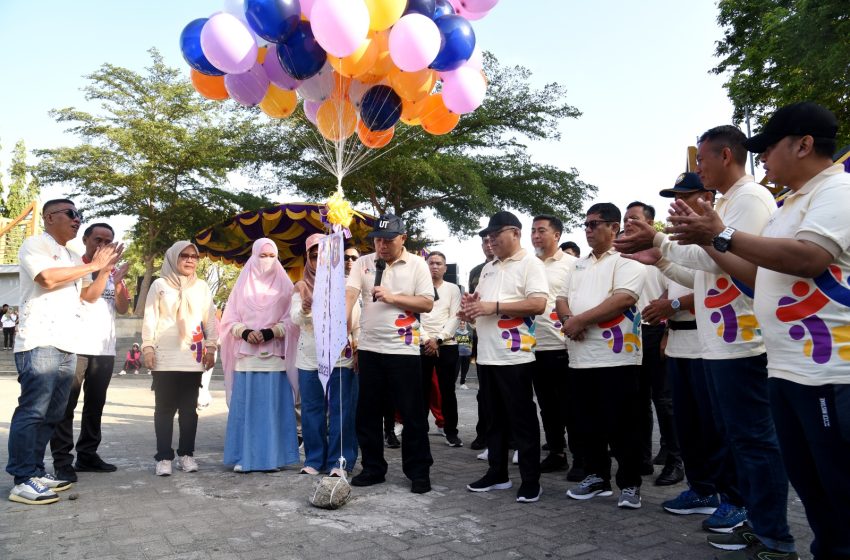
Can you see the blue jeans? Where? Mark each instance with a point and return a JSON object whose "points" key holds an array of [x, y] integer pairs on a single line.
{"points": [[326, 426], [740, 397], [45, 375]]}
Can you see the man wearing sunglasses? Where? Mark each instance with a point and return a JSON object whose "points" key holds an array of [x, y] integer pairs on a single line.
{"points": [[46, 346]]}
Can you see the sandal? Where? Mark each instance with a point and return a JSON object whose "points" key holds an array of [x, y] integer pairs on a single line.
{"points": [[337, 472], [309, 470]]}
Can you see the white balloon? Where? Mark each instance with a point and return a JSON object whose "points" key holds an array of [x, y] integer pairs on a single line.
{"points": [[318, 87]]}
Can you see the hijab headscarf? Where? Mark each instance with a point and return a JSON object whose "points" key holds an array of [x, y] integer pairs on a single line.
{"points": [[308, 277], [185, 304], [259, 300]]}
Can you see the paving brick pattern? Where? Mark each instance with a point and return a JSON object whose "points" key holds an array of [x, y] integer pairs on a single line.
{"points": [[217, 514]]}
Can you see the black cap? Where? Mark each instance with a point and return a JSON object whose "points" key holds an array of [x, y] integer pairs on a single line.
{"points": [[387, 227], [498, 221], [685, 183], [798, 119]]}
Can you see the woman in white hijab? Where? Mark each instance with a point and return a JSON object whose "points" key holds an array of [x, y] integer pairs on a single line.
{"points": [[179, 338]]}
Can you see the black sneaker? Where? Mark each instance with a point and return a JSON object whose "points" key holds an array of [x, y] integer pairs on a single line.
{"points": [[478, 444], [66, 472], [662, 457], [590, 487], [453, 441], [739, 539], [529, 492], [554, 462], [367, 479], [489, 482], [577, 472], [392, 441], [420, 486], [94, 464], [672, 473], [758, 552], [544, 447]]}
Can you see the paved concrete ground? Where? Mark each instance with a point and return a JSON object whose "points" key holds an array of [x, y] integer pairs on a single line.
{"points": [[218, 514]]}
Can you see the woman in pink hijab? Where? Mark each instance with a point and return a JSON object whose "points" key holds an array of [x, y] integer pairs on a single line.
{"points": [[258, 344]]}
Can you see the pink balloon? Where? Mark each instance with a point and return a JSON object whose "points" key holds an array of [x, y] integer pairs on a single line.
{"points": [[479, 5], [307, 8], [463, 90], [461, 9], [276, 73], [414, 42], [340, 26], [311, 108], [248, 88], [476, 60], [228, 44]]}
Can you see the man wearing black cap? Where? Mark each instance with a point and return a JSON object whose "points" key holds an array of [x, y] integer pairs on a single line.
{"points": [[394, 286], [733, 350], [511, 292], [802, 301]]}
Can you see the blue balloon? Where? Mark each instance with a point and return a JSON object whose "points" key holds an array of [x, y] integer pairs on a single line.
{"points": [[442, 8], [273, 20], [380, 108], [190, 46], [301, 56], [424, 7], [458, 42]]}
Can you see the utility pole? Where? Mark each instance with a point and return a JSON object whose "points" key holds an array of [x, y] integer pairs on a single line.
{"points": [[749, 133]]}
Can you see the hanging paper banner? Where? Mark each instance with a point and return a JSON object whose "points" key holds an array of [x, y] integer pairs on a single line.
{"points": [[329, 323]]}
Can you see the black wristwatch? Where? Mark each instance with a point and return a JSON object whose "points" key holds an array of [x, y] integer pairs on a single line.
{"points": [[439, 342], [723, 241]]}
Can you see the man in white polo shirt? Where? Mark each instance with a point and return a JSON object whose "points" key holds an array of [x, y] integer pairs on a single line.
{"points": [[394, 287], [602, 325], [439, 349], [800, 264], [512, 290]]}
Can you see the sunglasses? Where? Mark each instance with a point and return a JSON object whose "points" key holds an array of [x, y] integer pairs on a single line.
{"points": [[592, 224], [190, 257], [72, 214], [350, 258]]}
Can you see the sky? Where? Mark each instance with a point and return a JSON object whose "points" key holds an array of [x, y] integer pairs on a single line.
{"points": [[638, 72]]}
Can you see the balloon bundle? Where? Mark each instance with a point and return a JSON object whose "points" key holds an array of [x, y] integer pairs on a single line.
{"points": [[359, 66]]}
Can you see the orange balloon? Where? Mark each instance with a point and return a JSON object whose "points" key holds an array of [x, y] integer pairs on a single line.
{"points": [[383, 62], [279, 103], [341, 85], [261, 54], [411, 111], [211, 87], [436, 119], [360, 62], [336, 119], [413, 85], [374, 138]]}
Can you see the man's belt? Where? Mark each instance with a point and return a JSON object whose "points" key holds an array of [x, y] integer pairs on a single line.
{"points": [[682, 325]]}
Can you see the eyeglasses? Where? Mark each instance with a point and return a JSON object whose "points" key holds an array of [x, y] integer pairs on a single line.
{"points": [[592, 224], [190, 256], [350, 258], [495, 234], [72, 214]]}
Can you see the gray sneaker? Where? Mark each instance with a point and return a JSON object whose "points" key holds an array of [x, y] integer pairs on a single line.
{"points": [[590, 487], [629, 498], [33, 492]]}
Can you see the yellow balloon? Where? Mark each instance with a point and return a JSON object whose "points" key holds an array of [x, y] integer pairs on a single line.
{"points": [[359, 62], [384, 13], [278, 103], [336, 119], [411, 111]]}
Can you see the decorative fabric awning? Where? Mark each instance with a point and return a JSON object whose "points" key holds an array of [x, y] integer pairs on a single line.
{"points": [[289, 225]]}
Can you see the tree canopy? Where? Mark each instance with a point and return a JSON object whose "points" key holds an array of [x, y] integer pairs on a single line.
{"points": [[777, 52]]}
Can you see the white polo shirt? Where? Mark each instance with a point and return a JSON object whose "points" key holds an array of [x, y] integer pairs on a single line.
{"points": [[725, 318], [806, 321], [48, 317], [99, 320], [682, 343], [385, 328], [547, 327], [504, 340], [442, 321], [653, 287], [616, 342]]}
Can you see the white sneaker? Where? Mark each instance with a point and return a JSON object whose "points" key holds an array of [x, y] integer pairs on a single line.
{"points": [[163, 468], [54, 483], [136, 372], [464, 386], [483, 456], [187, 463], [238, 468], [122, 372], [516, 457], [33, 492]]}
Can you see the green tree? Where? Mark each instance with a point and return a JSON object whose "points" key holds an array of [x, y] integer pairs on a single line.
{"points": [[158, 152], [480, 167], [23, 189], [777, 52]]}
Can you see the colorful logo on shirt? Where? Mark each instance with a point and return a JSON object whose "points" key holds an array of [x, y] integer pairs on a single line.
{"points": [[198, 343], [619, 341], [556, 321], [407, 330], [803, 307], [515, 341], [727, 320]]}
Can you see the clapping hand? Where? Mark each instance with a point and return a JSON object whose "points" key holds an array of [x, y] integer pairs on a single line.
{"points": [[690, 228]]}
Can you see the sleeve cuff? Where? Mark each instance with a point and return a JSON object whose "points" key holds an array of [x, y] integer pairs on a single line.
{"points": [[825, 243]]}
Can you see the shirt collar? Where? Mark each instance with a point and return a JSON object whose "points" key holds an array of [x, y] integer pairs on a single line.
{"points": [[403, 258], [559, 255], [818, 179], [738, 184], [591, 257], [518, 256]]}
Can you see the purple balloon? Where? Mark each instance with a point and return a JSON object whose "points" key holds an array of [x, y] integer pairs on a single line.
{"points": [[228, 44], [275, 71], [248, 88], [414, 42], [311, 108]]}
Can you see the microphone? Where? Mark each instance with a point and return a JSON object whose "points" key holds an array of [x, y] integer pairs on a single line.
{"points": [[380, 266]]}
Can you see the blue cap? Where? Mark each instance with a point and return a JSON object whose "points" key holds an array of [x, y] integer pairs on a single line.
{"points": [[685, 183]]}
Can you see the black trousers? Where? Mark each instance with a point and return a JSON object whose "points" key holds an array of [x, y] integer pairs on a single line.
{"points": [[175, 391], [609, 413], [551, 385], [655, 390], [513, 416], [398, 377], [446, 364], [92, 375], [462, 368], [8, 337]]}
